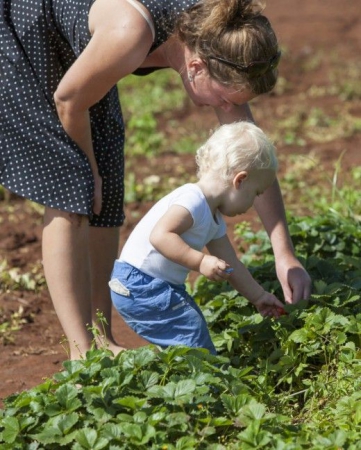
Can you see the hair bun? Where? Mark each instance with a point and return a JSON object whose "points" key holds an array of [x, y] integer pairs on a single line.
{"points": [[249, 8], [228, 13]]}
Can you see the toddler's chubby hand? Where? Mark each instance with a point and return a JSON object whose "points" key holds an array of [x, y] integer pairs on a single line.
{"points": [[268, 305], [214, 268]]}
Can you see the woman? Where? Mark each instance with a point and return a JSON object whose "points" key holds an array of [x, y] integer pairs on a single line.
{"points": [[62, 133]]}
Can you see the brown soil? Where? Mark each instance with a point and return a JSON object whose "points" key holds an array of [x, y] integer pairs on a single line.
{"points": [[304, 29]]}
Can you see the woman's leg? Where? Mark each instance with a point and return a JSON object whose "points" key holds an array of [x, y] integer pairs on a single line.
{"points": [[104, 243], [67, 272]]}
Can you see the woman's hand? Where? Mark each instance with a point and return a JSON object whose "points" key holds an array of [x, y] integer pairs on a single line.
{"points": [[97, 202], [269, 306], [294, 279]]}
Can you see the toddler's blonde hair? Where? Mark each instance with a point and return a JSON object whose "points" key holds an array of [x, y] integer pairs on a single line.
{"points": [[233, 148]]}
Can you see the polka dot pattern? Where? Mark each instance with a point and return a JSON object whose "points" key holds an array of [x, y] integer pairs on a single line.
{"points": [[164, 12], [40, 39]]}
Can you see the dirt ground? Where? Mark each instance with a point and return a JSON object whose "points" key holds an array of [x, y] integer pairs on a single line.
{"points": [[303, 28]]}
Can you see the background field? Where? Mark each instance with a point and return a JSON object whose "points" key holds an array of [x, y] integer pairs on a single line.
{"points": [[313, 115]]}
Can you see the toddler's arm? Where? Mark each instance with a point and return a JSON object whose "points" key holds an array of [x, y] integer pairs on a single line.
{"points": [[241, 279], [166, 239]]}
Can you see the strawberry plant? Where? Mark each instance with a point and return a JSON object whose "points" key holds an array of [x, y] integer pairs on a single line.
{"points": [[289, 383]]}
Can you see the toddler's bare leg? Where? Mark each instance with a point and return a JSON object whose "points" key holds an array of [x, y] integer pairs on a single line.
{"points": [[67, 271]]}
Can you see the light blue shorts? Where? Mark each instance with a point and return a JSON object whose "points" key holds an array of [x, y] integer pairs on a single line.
{"points": [[162, 313]]}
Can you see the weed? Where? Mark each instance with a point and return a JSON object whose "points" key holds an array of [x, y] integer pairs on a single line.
{"points": [[10, 324]]}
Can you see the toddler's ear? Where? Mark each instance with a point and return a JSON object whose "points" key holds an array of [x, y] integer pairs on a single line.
{"points": [[239, 178]]}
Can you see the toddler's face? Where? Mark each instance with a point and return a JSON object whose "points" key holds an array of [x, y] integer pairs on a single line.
{"points": [[238, 201]]}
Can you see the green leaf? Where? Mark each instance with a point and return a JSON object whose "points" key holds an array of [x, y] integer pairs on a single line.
{"points": [[174, 419], [111, 431], [184, 388], [49, 435], [149, 379], [66, 422], [57, 428], [256, 410], [186, 443], [89, 439], [11, 429], [299, 336], [144, 357], [66, 396], [131, 402], [169, 390], [221, 422], [235, 404], [138, 434]]}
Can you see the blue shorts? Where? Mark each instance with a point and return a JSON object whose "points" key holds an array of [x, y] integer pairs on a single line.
{"points": [[162, 313]]}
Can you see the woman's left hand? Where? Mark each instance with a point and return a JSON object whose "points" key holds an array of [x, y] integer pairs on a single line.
{"points": [[294, 279]]}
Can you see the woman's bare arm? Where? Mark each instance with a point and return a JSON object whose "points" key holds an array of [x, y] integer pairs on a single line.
{"points": [[295, 281], [121, 39]]}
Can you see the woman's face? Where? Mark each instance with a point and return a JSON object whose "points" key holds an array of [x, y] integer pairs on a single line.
{"points": [[204, 91]]}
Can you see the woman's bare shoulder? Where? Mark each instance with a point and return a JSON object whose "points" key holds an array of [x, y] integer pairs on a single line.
{"points": [[108, 14]]}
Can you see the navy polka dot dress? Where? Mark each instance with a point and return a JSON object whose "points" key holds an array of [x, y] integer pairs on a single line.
{"points": [[39, 40]]}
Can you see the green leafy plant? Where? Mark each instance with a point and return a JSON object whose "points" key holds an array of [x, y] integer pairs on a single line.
{"points": [[143, 99], [9, 324], [291, 382], [11, 279]]}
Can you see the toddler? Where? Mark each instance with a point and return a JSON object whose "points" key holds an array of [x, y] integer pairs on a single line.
{"points": [[235, 165]]}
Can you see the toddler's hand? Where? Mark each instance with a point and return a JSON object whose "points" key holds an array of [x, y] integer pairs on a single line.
{"points": [[268, 305], [214, 268]]}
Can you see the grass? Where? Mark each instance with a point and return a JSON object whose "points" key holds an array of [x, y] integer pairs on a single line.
{"points": [[10, 324], [150, 105], [329, 189]]}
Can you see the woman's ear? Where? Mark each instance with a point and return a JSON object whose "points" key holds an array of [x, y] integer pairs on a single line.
{"points": [[196, 66], [239, 178]]}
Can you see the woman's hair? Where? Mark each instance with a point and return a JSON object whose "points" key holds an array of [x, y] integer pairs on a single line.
{"points": [[233, 148], [234, 30]]}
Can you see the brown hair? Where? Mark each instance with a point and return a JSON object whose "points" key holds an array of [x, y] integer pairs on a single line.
{"points": [[235, 30]]}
